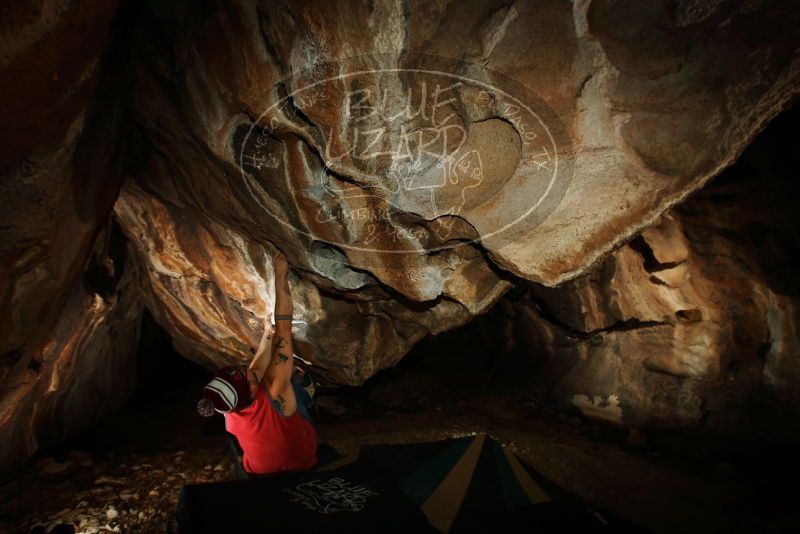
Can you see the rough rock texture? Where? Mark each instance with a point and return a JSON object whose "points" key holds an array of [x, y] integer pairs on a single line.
{"points": [[653, 111], [87, 371], [248, 145], [65, 353], [55, 157], [694, 320], [413, 159], [213, 289]]}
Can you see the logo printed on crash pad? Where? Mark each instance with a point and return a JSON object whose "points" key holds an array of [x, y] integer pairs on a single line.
{"points": [[329, 496]]}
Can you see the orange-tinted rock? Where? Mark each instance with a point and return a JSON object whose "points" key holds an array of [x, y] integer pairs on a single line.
{"points": [[213, 290], [642, 125], [413, 161], [86, 370], [278, 134], [65, 352], [695, 320]]}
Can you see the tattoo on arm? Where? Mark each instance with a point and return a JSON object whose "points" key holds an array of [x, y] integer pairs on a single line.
{"points": [[280, 404], [279, 343], [283, 317], [280, 358]]}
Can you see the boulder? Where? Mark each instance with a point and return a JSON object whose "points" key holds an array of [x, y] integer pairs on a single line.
{"points": [[413, 163]]}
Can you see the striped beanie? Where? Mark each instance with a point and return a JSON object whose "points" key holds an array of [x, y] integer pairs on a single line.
{"points": [[227, 392]]}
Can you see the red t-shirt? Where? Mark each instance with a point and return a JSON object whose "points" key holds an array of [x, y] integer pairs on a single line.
{"points": [[270, 441]]}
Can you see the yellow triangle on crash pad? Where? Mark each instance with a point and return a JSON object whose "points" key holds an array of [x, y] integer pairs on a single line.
{"points": [[444, 503]]}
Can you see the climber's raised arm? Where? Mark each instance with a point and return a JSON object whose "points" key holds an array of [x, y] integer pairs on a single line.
{"points": [[281, 365]]}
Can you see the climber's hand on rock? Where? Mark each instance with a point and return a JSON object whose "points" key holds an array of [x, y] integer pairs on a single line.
{"points": [[279, 264]]}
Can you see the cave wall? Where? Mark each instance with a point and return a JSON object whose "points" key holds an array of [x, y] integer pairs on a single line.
{"points": [[665, 343], [68, 309], [88, 371], [186, 103], [694, 321], [212, 289], [57, 154], [650, 101]]}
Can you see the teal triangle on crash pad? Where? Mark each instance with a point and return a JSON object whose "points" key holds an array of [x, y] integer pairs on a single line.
{"points": [[420, 484], [513, 495]]}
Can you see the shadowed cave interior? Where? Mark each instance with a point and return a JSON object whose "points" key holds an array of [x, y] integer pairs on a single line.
{"points": [[636, 343]]}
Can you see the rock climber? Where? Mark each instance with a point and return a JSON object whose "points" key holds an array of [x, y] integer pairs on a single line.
{"points": [[265, 404]]}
